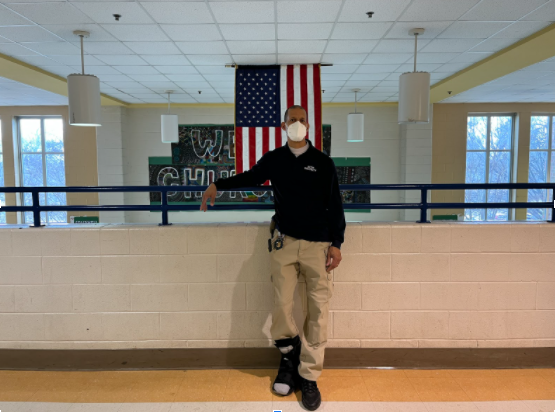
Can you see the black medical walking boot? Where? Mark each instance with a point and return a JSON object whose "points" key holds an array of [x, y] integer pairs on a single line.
{"points": [[311, 394], [288, 374]]}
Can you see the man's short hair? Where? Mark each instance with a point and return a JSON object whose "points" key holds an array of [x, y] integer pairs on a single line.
{"points": [[295, 106]]}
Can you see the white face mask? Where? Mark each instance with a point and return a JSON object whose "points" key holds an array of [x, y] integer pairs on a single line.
{"points": [[296, 131]]}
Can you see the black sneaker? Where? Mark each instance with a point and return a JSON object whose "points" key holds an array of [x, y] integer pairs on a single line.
{"points": [[288, 373], [311, 394]]}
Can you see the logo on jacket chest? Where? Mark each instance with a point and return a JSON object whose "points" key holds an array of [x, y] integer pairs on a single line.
{"points": [[311, 168]]}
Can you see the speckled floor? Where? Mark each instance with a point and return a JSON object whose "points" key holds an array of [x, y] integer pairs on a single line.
{"points": [[352, 390]]}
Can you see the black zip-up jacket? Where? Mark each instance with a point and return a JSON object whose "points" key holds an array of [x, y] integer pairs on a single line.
{"points": [[306, 193]]}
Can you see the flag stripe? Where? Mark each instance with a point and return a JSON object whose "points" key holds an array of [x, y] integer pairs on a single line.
{"points": [[279, 137], [290, 87], [304, 91], [311, 106], [297, 83], [239, 149], [318, 107], [252, 146]]}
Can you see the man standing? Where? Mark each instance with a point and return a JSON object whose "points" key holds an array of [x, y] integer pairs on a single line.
{"points": [[306, 235]]}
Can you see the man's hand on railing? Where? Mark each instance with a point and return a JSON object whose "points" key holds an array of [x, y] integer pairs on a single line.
{"points": [[209, 193]]}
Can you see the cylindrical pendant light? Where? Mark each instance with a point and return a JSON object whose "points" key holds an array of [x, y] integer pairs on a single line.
{"points": [[83, 92], [170, 128], [355, 124], [414, 92]]}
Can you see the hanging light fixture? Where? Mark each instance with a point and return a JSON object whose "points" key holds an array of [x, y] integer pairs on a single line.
{"points": [[355, 124], [170, 132], [414, 92], [83, 92]]}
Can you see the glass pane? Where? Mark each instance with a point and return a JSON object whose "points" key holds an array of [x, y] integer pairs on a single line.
{"points": [[475, 167], [477, 128], [552, 177], [501, 132], [537, 172], [30, 135], [55, 170], [539, 132], [536, 195], [1, 170], [553, 133], [28, 201], [56, 199], [32, 170], [474, 196], [495, 196], [53, 135], [499, 167]]}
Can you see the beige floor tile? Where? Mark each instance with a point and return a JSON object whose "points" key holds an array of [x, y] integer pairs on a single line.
{"points": [[343, 389], [427, 373], [486, 389], [530, 387], [391, 389], [201, 390], [444, 389], [339, 373], [248, 389], [382, 373]]}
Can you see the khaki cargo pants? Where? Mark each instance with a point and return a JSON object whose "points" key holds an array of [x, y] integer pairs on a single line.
{"points": [[308, 259]]}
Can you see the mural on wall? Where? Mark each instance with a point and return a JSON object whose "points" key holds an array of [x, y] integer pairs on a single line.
{"points": [[205, 153]]}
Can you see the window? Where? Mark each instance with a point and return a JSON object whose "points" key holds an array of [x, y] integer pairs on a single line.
{"points": [[542, 163], [41, 163], [2, 195], [489, 146]]}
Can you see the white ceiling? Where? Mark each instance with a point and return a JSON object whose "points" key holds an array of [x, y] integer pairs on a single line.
{"points": [[535, 83], [13, 93], [184, 45]]}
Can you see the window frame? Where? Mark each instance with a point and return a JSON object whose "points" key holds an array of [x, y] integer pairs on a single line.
{"points": [[550, 150], [43, 153], [487, 150]]}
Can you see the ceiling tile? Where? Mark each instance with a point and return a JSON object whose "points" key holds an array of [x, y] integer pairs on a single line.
{"points": [[377, 68], [136, 32], [436, 10], [355, 10], [545, 13], [298, 58], [521, 29], [192, 32], [452, 67], [9, 18], [336, 76], [435, 57], [54, 48], [183, 98], [254, 58], [399, 46], [154, 47], [160, 86], [206, 47], [220, 77], [195, 12], [28, 34], [351, 46], [375, 30], [176, 69], [473, 29], [13, 49], [369, 76], [215, 70], [166, 60], [97, 69], [50, 13], [136, 69], [243, 11], [220, 85], [207, 59], [248, 31], [339, 68], [314, 11], [422, 67], [493, 45], [400, 30], [502, 10], [65, 31], [63, 71], [384, 58], [104, 47], [344, 58], [251, 47], [450, 45], [332, 83], [102, 12], [306, 31], [148, 77], [299, 46], [75, 60], [185, 78], [131, 60], [113, 77], [391, 83]]}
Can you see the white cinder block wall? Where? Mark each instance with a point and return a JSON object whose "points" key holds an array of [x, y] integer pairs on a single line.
{"points": [[140, 138], [400, 284]]}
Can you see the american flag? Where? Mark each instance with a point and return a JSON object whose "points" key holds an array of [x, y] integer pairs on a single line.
{"points": [[262, 94]]}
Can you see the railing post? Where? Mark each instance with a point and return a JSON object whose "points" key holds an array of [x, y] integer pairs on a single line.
{"points": [[36, 208], [424, 207], [164, 209]]}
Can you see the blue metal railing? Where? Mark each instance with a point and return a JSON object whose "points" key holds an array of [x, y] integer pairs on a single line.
{"points": [[164, 207]]}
